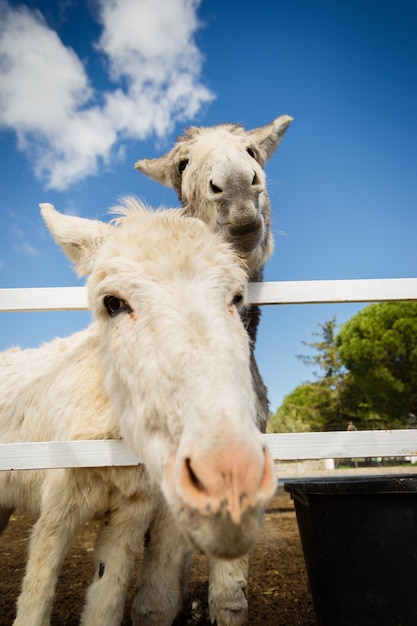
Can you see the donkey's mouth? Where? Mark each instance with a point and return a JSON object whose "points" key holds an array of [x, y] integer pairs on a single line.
{"points": [[235, 230]]}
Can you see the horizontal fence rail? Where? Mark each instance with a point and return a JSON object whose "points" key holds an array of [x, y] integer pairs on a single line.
{"points": [[43, 299], [277, 292], [283, 446]]}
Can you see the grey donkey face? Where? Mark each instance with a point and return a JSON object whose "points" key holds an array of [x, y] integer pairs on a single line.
{"points": [[218, 174]]}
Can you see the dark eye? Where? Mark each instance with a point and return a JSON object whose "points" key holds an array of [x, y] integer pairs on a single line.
{"points": [[251, 153], [237, 299], [115, 305], [182, 165]]}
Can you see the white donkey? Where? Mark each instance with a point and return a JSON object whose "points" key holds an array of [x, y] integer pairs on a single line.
{"points": [[218, 174], [165, 366]]}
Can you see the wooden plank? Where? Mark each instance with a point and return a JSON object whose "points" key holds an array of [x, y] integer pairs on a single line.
{"points": [[283, 447], [342, 444], [328, 291], [43, 299], [277, 292], [59, 454]]}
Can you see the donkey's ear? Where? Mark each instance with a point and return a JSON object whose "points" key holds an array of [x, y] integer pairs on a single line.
{"points": [[80, 238], [270, 136], [157, 169]]}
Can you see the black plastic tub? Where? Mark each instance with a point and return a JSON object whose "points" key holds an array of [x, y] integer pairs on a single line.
{"points": [[359, 538]]}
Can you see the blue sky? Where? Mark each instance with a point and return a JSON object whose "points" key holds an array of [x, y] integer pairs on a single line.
{"points": [[88, 88]]}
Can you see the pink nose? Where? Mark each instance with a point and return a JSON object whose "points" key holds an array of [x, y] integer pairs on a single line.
{"points": [[229, 480]]}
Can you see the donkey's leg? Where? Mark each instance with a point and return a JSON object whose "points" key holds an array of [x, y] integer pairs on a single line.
{"points": [[115, 550], [162, 581], [51, 537], [227, 591]]}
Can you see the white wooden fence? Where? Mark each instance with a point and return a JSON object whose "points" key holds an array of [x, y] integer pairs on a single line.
{"points": [[288, 446]]}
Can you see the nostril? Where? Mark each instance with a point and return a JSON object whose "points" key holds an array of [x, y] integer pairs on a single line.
{"points": [[194, 480], [215, 188], [256, 180]]}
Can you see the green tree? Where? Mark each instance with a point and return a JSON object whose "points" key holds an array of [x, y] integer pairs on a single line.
{"points": [[327, 358], [316, 405], [311, 406], [325, 397], [294, 415], [378, 346]]}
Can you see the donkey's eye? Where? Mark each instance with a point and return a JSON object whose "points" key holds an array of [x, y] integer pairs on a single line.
{"points": [[237, 300], [182, 165], [115, 305], [251, 153]]}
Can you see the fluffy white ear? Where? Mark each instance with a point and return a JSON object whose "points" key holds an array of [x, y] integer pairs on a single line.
{"points": [[270, 136], [158, 169], [80, 238]]}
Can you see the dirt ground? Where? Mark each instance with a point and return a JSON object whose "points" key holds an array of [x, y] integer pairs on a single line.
{"points": [[277, 594]]}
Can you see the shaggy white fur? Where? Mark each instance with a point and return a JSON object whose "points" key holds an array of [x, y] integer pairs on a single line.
{"points": [[165, 366]]}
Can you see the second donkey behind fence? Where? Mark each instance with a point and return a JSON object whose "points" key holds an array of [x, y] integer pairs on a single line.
{"points": [[218, 174]]}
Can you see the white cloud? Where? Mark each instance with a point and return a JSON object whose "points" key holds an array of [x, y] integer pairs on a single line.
{"points": [[47, 98]]}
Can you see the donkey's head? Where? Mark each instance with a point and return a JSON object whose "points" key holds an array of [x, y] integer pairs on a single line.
{"points": [[166, 295], [218, 174]]}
